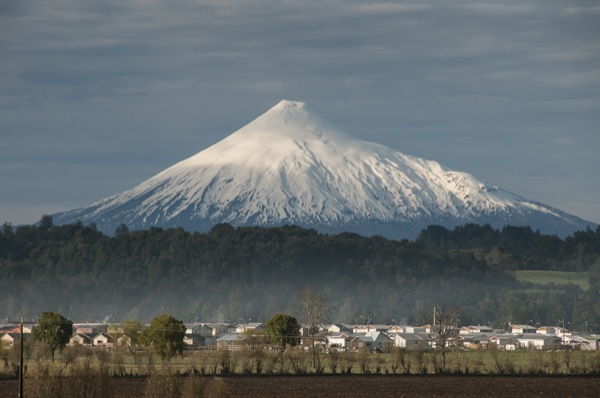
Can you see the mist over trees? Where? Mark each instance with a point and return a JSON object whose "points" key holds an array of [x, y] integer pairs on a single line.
{"points": [[234, 274]]}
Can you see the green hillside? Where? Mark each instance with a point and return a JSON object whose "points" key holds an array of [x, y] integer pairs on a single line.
{"points": [[543, 277]]}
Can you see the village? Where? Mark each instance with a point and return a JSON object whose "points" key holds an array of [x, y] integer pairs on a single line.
{"points": [[336, 337]]}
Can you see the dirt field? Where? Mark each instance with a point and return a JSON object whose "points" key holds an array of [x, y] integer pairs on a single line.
{"points": [[351, 386]]}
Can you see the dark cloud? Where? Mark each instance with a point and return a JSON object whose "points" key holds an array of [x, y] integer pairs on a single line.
{"points": [[119, 90]]}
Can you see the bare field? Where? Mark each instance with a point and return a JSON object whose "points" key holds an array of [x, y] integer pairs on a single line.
{"points": [[267, 386]]}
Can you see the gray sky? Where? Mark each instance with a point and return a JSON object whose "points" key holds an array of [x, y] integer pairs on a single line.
{"points": [[97, 96]]}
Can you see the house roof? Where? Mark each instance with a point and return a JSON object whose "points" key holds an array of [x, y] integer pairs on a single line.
{"points": [[233, 337], [13, 336], [194, 336], [414, 336], [587, 336], [537, 336], [475, 337], [505, 339], [107, 336], [81, 336], [251, 325], [523, 327]]}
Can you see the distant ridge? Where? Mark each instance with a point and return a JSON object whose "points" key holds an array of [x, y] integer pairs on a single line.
{"points": [[291, 166]]}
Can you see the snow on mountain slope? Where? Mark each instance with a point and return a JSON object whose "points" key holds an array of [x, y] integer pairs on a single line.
{"points": [[290, 166]]}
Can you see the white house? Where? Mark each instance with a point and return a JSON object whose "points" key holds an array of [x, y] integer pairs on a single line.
{"points": [[504, 342], [206, 329], [338, 340], [369, 328], [80, 339], [336, 328], [103, 340], [539, 341], [412, 340], [10, 339], [588, 342], [244, 327], [521, 329], [475, 329]]}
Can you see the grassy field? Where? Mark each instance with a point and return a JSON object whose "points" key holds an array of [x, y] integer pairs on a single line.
{"points": [[296, 361], [556, 277], [93, 374], [265, 374]]}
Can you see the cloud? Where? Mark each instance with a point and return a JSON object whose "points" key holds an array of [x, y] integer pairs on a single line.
{"points": [[147, 83]]}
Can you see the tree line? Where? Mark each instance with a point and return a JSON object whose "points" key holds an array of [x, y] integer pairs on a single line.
{"points": [[240, 273]]}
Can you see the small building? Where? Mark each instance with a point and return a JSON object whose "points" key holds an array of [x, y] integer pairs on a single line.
{"points": [[371, 341], [339, 341], [244, 327], [103, 340], [473, 340], [207, 329], [17, 329], [81, 339], [337, 328], [231, 342], [475, 329], [370, 328], [193, 341], [539, 341], [553, 331], [124, 340], [504, 342], [395, 329], [522, 329], [412, 341], [586, 342], [8, 340], [90, 328]]}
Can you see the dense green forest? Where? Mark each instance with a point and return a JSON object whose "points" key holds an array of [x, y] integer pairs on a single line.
{"points": [[230, 274]]}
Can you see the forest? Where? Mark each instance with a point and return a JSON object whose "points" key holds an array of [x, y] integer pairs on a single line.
{"points": [[237, 274]]}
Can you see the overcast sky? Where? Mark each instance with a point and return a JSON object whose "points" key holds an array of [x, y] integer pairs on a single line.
{"points": [[97, 96]]}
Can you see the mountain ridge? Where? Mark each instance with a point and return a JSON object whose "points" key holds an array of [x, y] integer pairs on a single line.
{"points": [[291, 166]]}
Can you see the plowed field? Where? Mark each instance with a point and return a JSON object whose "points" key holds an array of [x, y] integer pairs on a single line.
{"points": [[349, 386]]}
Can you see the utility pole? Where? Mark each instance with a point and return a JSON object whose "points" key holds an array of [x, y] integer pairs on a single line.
{"points": [[21, 323], [21, 363]]}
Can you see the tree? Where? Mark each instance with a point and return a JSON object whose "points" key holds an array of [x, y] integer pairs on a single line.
{"points": [[283, 329], [444, 327], [46, 222], [165, 336], [54, 330], [313, 306], [132, 329]]}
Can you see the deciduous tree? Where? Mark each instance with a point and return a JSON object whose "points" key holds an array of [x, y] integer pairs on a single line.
{"points": [[54, 330], [313, 306], [443, 328]]}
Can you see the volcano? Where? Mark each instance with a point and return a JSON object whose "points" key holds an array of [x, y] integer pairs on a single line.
{"points": [[291, 166]]}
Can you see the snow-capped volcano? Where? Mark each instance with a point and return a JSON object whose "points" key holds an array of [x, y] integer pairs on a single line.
{"points": [[290, 166]]}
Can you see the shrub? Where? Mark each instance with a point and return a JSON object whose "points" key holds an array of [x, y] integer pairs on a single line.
{"points": [[77, 380], [162, 385]]}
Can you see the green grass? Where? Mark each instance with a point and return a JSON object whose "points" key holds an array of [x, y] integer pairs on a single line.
{"points": [[556, 277]]}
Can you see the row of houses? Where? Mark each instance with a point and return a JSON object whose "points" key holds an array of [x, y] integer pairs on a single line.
{"points": [[342, 337]]}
